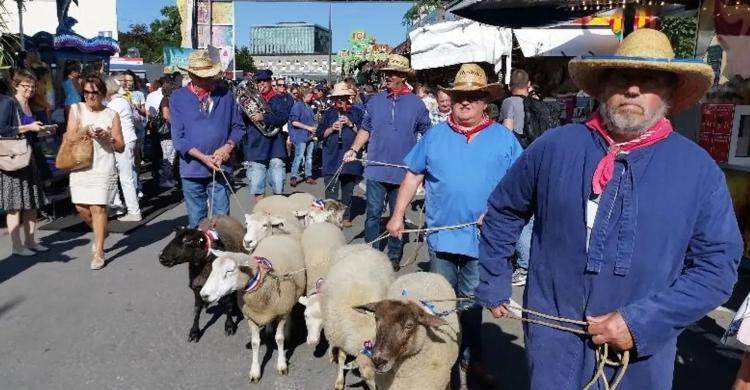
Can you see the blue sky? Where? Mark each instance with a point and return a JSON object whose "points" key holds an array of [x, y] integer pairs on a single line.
{"points": [[380, 20]]}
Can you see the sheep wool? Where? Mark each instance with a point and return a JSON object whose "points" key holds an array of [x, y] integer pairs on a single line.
{"points": [[430, 369], [319, 243], [283, 204]]}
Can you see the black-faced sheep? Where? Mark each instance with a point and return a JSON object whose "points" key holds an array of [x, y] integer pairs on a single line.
{"points": [[192, 246]]}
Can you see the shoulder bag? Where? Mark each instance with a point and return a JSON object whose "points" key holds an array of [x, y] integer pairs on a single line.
{"points": [[76, 153], [15, 152]]}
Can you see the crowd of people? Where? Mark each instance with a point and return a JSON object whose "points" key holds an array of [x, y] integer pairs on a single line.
{"points": [[579, 211]]}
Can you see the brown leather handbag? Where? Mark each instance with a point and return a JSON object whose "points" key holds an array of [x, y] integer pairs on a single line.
{"points": [[77, 153]]}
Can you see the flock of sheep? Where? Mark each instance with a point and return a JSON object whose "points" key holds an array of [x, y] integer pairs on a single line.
{"points": [[402, 333]]}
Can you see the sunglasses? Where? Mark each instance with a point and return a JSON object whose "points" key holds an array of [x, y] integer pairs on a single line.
{"points": [[89, 92]]}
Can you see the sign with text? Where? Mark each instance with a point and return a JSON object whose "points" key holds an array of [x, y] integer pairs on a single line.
{"points": [[715, 132]]}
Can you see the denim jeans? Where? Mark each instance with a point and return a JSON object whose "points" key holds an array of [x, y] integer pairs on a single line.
{"points": [[377, 194], [462, 272], [523, 245], [271, 172], [197, 193], [346, 184], [303, 151]]}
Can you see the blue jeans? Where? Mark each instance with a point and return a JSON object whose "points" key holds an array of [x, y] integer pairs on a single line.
{"points": [[377, 194], [197, 193], [303, 150], [462, 272], [271, 172], [523, 245]]}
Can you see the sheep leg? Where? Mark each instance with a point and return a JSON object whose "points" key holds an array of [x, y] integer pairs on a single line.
{"points": [[281, 366], [366, 370], [195, 330], [340, 373], [230, 302], [334, 355], [254, 374]]}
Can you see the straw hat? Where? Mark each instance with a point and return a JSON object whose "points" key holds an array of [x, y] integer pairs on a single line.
{"points": [[341, 89], [470, 78], [200, 64], [397, 63], [648, 50]]}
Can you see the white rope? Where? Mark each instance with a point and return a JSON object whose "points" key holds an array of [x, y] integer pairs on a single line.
{"points": [[372, 162], [426, 230]]}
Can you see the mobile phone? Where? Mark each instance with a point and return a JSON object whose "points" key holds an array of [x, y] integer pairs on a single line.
{"points": [[48, 129]]}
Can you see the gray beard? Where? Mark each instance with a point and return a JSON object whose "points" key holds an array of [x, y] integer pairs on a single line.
{"points": [[630, 128]]}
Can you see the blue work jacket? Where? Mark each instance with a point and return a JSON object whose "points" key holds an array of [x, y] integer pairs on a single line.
{"points": [[260, 148], [664, 250], [333, 153]]}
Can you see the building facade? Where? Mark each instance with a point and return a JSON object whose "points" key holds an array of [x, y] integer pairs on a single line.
{"points": [[313, 66], [95, 17], [289, 38]]}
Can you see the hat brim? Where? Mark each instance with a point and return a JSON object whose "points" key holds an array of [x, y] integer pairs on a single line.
{"points": [[408, 71], [494, 90], [694, 77], [213, 71], [341, 93]]}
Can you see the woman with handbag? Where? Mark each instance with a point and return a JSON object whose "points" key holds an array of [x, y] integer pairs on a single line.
{"points": [[21, 192], [92, 187]]}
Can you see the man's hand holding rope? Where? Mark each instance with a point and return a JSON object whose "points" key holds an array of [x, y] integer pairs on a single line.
{"points": [[610, 329]]}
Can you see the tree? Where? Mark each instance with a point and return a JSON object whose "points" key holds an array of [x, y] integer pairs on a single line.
{"points": [[420, 8], [243, 60], [681, 31], [152, 39]]}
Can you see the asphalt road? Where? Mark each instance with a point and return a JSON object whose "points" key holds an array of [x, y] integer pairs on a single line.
{"points": [[63, 326]]}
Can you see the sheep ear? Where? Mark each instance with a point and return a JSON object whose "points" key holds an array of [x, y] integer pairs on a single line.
{"points": [[369, 308], [303, 300], [429, 320]]}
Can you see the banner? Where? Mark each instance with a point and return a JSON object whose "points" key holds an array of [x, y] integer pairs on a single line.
{"points": [[715, 132], [185, 8], [175, 57], [215, 27]]}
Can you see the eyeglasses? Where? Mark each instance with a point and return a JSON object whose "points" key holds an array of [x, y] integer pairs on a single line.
{"points": [[89, 92], [27, 86]]}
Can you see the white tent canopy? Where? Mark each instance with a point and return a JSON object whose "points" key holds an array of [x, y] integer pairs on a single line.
{"points": [[458, 42], [567, 41]]}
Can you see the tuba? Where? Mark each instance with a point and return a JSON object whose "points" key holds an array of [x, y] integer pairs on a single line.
{"points": [[250, 102]]}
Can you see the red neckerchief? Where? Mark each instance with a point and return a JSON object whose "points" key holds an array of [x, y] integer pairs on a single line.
{"points": [[469, 132], [405, 90], [268, 95], [606, 168], [202, 96]]}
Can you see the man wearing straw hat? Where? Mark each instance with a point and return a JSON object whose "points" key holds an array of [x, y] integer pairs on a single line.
{"points": [[392, 121], [635, 236], [461, 161], [206, 126]]}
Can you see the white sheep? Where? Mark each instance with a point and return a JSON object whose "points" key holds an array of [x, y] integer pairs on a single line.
{"points": [[417, 340], [319, 243], [260, 225], [268, 284], [358, 275], [328, 210], [284, 204]]}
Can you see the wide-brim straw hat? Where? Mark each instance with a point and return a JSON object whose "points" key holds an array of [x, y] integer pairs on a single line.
{"points": [[341, 89], [647, 50], [472, 78], [397, 63], [200, 64]]}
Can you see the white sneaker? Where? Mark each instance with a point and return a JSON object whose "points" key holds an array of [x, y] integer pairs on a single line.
{"points": [[37, 247], [140, 195], [130, 218], [25, 252]]}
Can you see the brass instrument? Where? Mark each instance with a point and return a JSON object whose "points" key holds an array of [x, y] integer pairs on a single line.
{"points": [[250, 102]]}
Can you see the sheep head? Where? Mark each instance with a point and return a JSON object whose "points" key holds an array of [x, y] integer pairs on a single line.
{"points": [[397, 328], [259, 226], [188, 245], [332, 211], [224, 277], [313, 317]]}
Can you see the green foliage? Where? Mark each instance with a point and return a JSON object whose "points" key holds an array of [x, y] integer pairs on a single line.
{"points": [[9, 43], [243, 60], [681, 31], [152, 39], [420, 7]]}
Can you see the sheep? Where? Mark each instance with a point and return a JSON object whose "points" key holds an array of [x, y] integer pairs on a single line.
{"points": [[359, 275], [191, 246], [417, 341], [284, 204], [268, 285], [260, 225], [319, 242], [328, 210]]}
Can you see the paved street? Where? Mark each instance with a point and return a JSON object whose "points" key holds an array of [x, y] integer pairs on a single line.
{"points": [[63, 326]]}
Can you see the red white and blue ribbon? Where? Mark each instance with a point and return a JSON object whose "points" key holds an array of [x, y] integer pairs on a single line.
{"points": [[367, 348], [211, 235], [319, 204], [264, 266]]}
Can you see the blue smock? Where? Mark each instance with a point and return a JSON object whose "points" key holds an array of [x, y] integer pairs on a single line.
{"points": [[333, 153], [664, 250], [393, 123], [260, 148], [459, 177], [301, 112]]}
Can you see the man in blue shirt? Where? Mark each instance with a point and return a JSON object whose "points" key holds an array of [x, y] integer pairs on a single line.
{"points": [[392, 121], [206, 126], [461, 161], [265, 153], [301, 129]]}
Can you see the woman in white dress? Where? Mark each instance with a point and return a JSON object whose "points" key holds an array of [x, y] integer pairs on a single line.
{"points": [[92, 188]]}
